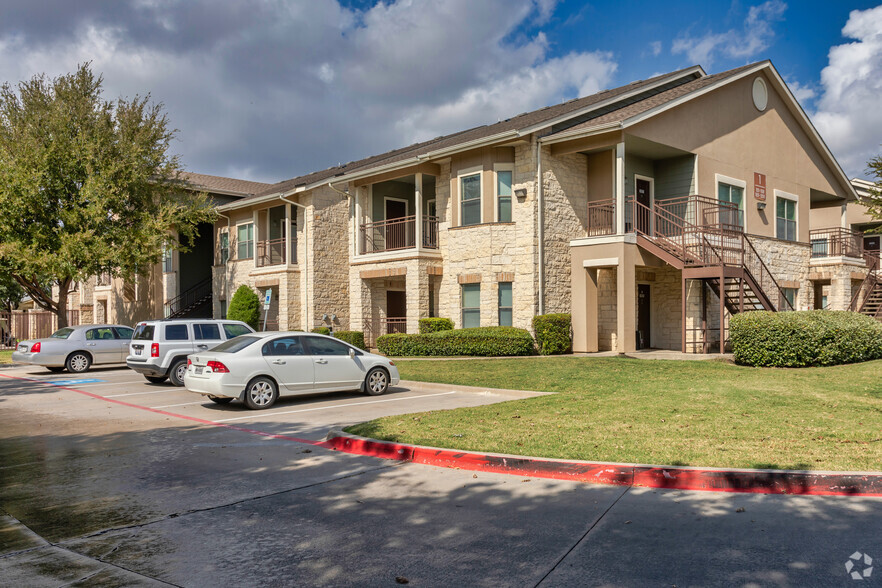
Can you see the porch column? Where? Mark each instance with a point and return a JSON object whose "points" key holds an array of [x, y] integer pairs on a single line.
{"points": [[620, 188], [418, 229], [416, 283], [255, 217], [359, 219], [591, 310], [286, 233], [626, 304]]}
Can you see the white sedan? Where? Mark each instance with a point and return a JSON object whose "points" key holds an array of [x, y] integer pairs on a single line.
{"points": [[258, 368]]}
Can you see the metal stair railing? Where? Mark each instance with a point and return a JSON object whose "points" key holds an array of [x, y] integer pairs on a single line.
{"points": [[868, 284], [187, 298], [763, 277]]}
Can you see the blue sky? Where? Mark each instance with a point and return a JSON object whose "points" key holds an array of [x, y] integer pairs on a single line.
{"points": [[270, 90]]}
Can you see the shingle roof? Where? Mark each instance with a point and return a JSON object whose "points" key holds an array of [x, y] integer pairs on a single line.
{"points": [[518, 122], [223, 185]]}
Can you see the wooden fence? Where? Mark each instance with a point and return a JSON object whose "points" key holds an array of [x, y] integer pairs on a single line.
{"points": [[20, 325]]}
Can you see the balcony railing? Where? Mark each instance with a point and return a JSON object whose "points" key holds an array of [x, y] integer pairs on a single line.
{"points": [[836, 242], [695, 210], [271, 252], [398, 233]]}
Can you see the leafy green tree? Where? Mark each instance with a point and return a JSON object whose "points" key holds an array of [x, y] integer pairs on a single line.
{"points": [[87, 186], [874, 206], [245, 306], [11, 292]]}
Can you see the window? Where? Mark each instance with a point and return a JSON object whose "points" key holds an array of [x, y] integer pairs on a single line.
{"points": [[167, 261], [733, 195], [123, 332], [322, 346], [223, 308], [470, 195], [505, 304], [224, 247], [790, 295], [503, 196], [100, 334], [176, 333], [245, 241], [284, 346], [234, 345], [234, 330], [143, 333], [206, 332], [785, 214], [63, 333], [471, 305]]}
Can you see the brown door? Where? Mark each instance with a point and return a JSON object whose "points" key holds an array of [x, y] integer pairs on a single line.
{"points": [[642, 213], [396, 232], [643, 306], [396, 312]]}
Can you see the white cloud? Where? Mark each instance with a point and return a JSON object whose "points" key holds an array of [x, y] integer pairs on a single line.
{"points": [[848, 115], [802, 92], [744, 43], [273, 90], [656, 48]]}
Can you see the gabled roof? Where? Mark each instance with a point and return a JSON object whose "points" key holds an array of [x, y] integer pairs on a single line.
{"points": [[221, 185], [513, 127]]}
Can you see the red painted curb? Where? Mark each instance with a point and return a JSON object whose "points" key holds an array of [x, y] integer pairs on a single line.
{"points": [[622, 474]]}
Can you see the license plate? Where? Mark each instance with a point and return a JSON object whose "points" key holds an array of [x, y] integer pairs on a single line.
{"points": [[137, 351], [23, 348], [198, 370]]}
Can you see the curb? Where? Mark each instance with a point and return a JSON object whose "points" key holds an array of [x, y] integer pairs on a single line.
{"points": [[805, 482]]}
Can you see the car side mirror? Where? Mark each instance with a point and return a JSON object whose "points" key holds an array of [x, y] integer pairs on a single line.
{"points": [[351, 353]]}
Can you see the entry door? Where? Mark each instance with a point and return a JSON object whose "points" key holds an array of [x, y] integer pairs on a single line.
{"points": [[396, 233], [643, 316], [644, 197], [396, 308]]}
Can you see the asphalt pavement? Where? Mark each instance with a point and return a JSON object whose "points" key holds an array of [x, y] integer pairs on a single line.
{"points": [[108, 480]]}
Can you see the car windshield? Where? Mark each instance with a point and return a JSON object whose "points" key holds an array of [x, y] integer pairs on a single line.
{"points": [[143, 333], [62, 333], [235, 344], [234, 330]]}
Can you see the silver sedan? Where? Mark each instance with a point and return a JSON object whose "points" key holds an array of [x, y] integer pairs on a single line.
{"points": [[258, 368], [76, 348]]}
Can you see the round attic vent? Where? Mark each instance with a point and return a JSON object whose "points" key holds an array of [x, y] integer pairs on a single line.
{"points": [[760, 94]]}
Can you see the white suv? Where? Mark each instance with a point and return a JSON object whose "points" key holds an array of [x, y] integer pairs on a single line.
{"points": [[159, 349]]}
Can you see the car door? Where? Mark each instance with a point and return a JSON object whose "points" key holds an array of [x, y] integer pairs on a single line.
{"points": [[206, 336], [102, 345], [334, 369], [287, 360], [123, 338]]}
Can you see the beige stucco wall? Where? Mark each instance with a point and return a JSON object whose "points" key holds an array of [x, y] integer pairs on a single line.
{"points": [[732, 138]]}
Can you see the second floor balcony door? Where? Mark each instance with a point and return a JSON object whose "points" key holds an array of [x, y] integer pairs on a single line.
{"points": [[396, 233]]}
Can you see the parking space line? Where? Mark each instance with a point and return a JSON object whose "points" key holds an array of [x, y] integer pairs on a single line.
{"points": [[173, 405], [113, 383], [259, 414], [151, 392]]}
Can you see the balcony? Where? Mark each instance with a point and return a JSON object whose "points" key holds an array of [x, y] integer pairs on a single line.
{"points": [[271, 252], [836, 242], [398, 234]]}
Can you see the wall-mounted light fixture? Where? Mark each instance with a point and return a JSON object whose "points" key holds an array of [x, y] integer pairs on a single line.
{"points": [[760, 205], [521, 193]]}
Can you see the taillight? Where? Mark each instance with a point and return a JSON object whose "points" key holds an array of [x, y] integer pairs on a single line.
{"points": [[36, 347], [154, 350], [189, 362], [217, 367]]}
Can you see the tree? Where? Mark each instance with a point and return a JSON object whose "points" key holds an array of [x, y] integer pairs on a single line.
{"points": [[11, 292], [245, 306], [874, 204], [87, 186]]}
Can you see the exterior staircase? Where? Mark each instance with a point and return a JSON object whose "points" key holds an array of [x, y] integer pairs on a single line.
{"points": [[194, 302], [871, 305]]}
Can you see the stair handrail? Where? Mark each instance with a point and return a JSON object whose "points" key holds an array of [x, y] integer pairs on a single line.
{"points": [[188, 297], [661, 225], [765, 273], [868, 283]]}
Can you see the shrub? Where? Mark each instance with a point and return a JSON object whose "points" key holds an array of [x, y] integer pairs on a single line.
{"points": [[354, 338], [435, 324], [804, 338], [245, 306], [478, 341], [553, 333], [322, 330]]}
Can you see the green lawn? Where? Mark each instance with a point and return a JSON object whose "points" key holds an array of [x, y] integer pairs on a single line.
{"points": [[5, 357], [658, 412]]}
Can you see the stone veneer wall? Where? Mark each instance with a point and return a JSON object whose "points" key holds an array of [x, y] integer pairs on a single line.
{"points": [[329, 267], [788, 263], [565, 192]]}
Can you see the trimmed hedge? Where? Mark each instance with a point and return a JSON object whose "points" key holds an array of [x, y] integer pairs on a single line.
{"points": [[553, 333], [321, 330], [354, 338], [245, 306], [478, 341], [804, 338], [435, 324]]}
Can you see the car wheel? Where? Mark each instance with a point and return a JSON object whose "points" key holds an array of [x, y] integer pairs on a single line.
{"points": [[78, 362], [177, 371], [376, 382], [261, 393], [156, 379], [55, 369], [220, 399]]}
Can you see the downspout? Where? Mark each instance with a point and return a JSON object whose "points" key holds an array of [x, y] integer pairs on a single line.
{"points": [[541, 214], [305, 255]]}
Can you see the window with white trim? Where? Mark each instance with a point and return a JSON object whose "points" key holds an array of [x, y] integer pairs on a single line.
{"points": [[733, 195], [790, 295], [785, 218], [503, 196], [167, 260], [245, 241], [505, 304], [470, 199], [471, 305], [224, 246]]}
